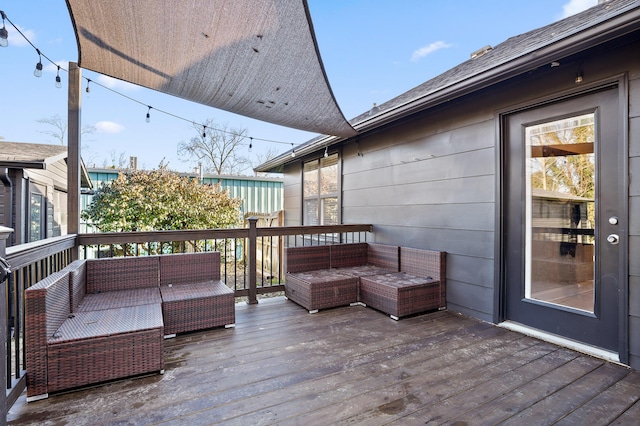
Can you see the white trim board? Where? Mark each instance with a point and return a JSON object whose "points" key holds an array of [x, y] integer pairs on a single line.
{"points": [[562, 341]]}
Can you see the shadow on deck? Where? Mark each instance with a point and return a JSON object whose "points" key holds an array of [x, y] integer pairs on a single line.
{"points": [[353, 365]]}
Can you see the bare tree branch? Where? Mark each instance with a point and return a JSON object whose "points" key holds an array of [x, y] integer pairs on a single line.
{"points": [[217, 147], [59, 131]]}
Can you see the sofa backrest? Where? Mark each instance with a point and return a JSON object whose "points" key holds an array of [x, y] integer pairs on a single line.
{"points": [[47, 305], [423, 263], [122, 273], [77, 282], [348, 255], [189, 268], [384, 256], [309, 258]]}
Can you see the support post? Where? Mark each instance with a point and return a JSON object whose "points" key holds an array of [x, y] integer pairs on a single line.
{"points": [[4, 235], [252, 243], [74, 160]]}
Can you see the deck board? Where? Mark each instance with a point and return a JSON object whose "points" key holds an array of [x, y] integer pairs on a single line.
{"points": [[353, 365]]}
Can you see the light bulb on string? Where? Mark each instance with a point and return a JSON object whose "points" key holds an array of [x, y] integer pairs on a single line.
{"points": [[204, 132], [88, 90], [38, 71], [326, 154], [58, 81], [4, 34], [250, 144], [148, 119]]}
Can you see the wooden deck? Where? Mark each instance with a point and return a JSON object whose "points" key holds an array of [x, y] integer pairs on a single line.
{"points": [[353, 365]]}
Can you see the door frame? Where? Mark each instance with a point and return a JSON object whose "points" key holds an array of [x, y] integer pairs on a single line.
{"points": [[621, 82]]}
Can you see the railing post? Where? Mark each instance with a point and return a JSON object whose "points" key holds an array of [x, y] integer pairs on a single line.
{"points": [[4, 234], [253, 245]]}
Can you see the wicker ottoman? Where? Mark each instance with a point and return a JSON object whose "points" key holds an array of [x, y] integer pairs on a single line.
{"points": [[321, 289], [190, 307], [401, 294]]}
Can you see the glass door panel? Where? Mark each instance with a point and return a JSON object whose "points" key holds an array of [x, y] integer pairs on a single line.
{"points": [[560, 212]]}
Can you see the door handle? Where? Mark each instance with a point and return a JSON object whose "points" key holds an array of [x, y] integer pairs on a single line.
{"points": [[613, 239]]}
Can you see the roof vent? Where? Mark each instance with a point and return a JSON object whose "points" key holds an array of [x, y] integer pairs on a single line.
{"points": [[481, 52]]}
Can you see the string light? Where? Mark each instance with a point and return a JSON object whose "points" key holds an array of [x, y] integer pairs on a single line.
{"points": [[58, 81], [326, 153], [204, 131], [4, 34], [38, 73], [38, 70]]}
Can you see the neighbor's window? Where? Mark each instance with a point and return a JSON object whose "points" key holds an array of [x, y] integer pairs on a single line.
{"points": [[321, 191], [36, 217]]}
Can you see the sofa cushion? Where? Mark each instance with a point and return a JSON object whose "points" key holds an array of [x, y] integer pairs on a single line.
{"points": [[188, 268], [122, 273], [309, 258], [348, 255], [119, 299]]}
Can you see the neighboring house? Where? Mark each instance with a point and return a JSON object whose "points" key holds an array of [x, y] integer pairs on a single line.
{"points": [[33, 196], [523, 164], [259, 195]]}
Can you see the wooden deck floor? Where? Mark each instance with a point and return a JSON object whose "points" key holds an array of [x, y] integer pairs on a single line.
{"points": [[353, 365]]}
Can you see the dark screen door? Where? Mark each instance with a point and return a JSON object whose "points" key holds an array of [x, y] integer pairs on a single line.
{"points": [[562, 189]]}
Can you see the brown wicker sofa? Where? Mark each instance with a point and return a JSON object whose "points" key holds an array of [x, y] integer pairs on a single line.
{"points": [[399, 281], [103, 319]]}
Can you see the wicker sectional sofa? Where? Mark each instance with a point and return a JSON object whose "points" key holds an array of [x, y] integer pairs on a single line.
{"points": [[103, 319], [399, 281]]}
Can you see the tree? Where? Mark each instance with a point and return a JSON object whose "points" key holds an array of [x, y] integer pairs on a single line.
{"points": [[150, 200], [60, 128], [263, 158], [217, 148]]}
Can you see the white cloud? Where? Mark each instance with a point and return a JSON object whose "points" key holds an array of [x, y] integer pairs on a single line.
{"points": [[577, 6], [109, 127], [427, 50], [15, 39], [115, 84]]}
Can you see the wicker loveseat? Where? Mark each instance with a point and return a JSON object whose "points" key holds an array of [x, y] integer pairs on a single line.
{"points": [[399, 281], [103, 319]]}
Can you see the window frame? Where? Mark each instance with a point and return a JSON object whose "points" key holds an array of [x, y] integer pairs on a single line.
{"points": [[318, 196]]}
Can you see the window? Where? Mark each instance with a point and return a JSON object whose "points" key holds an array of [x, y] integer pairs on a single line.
{"points": [[36, 217], [320, 185]]}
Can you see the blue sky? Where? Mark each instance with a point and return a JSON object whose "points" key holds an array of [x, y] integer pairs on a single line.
{"points": [[372, 50]]}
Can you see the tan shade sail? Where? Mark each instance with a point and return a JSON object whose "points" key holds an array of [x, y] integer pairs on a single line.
{"points": [[256, 58]]}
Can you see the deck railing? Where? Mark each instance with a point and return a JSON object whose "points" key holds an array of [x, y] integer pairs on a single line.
{"points": [[252, 265]]}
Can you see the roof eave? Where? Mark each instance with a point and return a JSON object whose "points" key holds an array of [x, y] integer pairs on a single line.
{"points": [[610, 29], [38, 165]]}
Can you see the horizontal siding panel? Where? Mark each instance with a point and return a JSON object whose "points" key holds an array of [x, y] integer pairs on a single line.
{"points": [[378, 154], [466, 243], [634, 259], [634, 169], [423, 169], [634, 338], [634, 296], [465, 298], [634, 137], [472, 216], [634, 98], [476, 189], [471, 270], [634, 217]]}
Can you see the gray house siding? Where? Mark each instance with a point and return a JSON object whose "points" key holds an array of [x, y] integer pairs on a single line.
{"points": [[431, 184], [433, 179], [634, 214]]}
